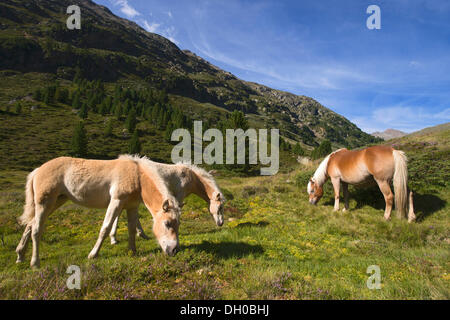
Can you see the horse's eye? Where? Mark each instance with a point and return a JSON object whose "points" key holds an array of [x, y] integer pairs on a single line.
{"points": [[167, 224]]}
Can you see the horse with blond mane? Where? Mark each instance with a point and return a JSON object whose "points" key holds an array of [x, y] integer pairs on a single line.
{"points": [[382, 164], [184, 179], [113, 184]]}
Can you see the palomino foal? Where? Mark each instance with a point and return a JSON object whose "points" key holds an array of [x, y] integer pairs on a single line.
{"points": [[380, 163], [114, 184], [182, 180]]}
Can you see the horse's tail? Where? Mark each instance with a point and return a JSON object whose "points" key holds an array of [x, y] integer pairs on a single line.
{"points": [[400, 182], [29, 207]]}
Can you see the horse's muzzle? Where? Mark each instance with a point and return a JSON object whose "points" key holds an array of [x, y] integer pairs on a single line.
{"points": [[172, 251]]}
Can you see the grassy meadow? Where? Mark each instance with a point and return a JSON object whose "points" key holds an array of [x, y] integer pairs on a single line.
{"points": [[273, 245]]}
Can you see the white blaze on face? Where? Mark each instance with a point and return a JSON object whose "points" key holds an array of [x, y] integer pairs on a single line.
{"points": [[167, 244], [309, 188]]}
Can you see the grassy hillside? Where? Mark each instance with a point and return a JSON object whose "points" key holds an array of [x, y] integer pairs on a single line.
{"points": [[35, 39], [274, 245]]}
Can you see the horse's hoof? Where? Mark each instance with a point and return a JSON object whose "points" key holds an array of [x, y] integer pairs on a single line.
{"points": [[143, 236], [19, 260], [35, 264], [114, 241], [92, 256]]}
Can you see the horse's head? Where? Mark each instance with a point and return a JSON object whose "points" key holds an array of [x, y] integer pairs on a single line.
{"points": [[315, 191], [216, 204], [165, 226]]}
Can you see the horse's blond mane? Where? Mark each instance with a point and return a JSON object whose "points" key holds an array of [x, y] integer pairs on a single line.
{"points": [[320, 176], [150, 165]]}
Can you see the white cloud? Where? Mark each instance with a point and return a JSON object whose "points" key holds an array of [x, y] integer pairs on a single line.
{"points": [[312, 76], [167, 32], [407, 119], [151, 27], [125, 8]]}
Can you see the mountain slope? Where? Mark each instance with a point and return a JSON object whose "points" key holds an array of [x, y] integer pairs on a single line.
{"points": [[34, 38], [389, 134]]}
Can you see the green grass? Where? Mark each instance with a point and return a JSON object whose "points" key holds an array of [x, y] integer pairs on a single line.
{"points": [[274, 245]]}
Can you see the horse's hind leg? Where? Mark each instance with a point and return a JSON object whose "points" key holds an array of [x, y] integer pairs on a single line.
{"points": [[113, 232], [411, 215], [42, 211], [23, 243], [388, 197], [140, 230], [113, 211], [132, 215]]}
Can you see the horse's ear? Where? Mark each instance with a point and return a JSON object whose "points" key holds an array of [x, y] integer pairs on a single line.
{"points": [[166, 205], [182, 205], [212, 172]]}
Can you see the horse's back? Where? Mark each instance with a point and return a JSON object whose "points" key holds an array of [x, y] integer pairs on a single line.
{"points": [[358, 166], [380, 161], [89, 182]]}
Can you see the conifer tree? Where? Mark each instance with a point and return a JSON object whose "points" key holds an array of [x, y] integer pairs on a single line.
{"points": [[18, 108], [37, 95], [134, 146], [168, 132], [78, 76], [83, 113], [109, 128], [118, 111], [76, 103], [79, 141], [298, 150], [131, 122], [322, 150]]}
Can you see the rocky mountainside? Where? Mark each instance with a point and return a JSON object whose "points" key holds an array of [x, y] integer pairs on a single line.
{"points": [[34, 38], [389, 134]]}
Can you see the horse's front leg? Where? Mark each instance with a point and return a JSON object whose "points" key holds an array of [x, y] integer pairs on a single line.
{"points": [[114, 209], [336, 186], [346, 195]]}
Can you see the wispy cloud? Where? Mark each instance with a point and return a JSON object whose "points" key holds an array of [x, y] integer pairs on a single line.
{"points": [[125, 8], [168, 32], [394, 77], [151, 27]]}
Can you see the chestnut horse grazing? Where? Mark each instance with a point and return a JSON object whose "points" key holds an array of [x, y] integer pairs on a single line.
{"points": [[113, 184], [380, 163], [182, 180]]}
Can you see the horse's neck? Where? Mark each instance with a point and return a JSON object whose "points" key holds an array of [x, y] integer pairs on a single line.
{"points": [[151, 194], [201, 187]]}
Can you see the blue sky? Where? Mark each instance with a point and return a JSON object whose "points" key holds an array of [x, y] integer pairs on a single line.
{"points": [[396, 77]]}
